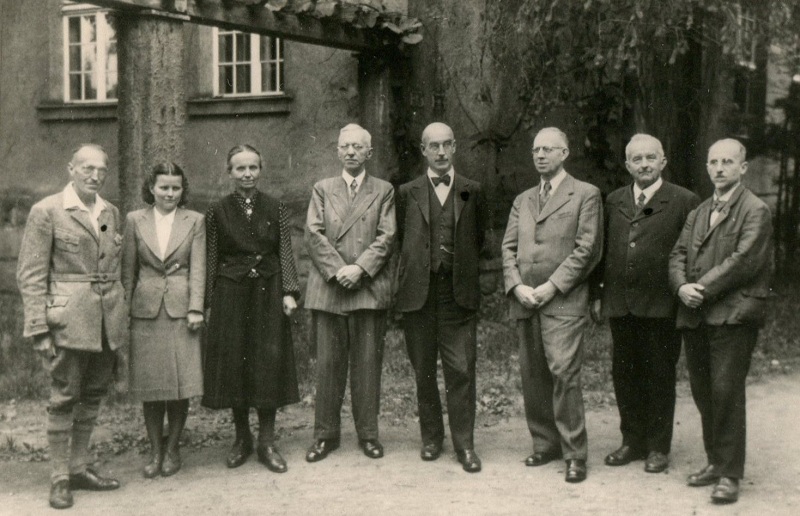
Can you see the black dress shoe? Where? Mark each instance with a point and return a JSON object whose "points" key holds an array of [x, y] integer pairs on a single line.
{"points": [[431, 451], [320, 449], [153, 468], [239, 452], [469, 460], [624, 455], [726, 490], [269, 456], [576, 471], [542, 458], [372, 448], [60, 495], [91, 481], [656, 462], [704, 477], [172, 464]]}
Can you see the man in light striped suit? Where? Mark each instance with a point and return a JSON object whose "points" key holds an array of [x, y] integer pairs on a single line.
{"points": [[350, 233]]}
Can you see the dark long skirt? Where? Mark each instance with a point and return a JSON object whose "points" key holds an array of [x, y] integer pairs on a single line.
{"points": [[249, 358]]}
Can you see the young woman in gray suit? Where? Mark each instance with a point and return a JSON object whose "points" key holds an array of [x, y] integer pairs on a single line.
{"points": [[251, 290], [163, 271]]}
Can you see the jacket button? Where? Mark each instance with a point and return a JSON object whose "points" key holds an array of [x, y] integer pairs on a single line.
{"points": [[104, 277], [102, 255], [635, 224], [633, 244], [258, 257]]}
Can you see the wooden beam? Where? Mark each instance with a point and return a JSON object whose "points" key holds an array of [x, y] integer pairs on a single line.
{"points": [[260, 20]]}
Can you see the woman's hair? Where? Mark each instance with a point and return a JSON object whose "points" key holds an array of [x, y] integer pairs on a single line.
{"points": [[243, 147], [164, 169]]}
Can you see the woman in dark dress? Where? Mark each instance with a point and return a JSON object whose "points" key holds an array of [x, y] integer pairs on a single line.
{"points": [[251, 290]]}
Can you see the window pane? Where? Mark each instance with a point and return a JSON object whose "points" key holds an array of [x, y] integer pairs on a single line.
{"points": [[74, 30], [89, 28], [243, 78], [111, 84], [111, 57], [242, 47], [277, 49], [225, 79], [225, 48], [90, 88], [265, 46], [75, 87], [89, 59], [267, 78], [74, 58]]}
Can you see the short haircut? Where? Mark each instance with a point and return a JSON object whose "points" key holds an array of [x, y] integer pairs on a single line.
{"points": [[82, 146], [164, 169], [356, 127], [557, 131], [742, 153], [644, 138], [425, 136], [243, 147]]}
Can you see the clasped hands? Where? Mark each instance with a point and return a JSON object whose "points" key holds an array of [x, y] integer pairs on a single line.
{"points": [[531, 298], [691, 294], [349, 276]]}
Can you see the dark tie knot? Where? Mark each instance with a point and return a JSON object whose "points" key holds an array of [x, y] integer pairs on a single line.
{"points": [[445, 179], [717, 205]]}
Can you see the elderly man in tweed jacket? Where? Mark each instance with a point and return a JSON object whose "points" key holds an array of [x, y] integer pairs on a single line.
{"points": [[75, 311], [350, 232]]}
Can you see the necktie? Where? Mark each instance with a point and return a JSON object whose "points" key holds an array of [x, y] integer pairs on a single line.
{"points": [[544, 195], [640, 202], [436, 180], [717, 205], [353, 189]]}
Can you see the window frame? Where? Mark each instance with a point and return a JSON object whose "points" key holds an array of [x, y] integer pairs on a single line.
{"points": [[102, 40], [256, 62]]}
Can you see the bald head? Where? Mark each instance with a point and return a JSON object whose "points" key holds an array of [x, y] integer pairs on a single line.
{"points": [[556, 133], [732, 146], [644, 140], [84, 150], [437, 130]]}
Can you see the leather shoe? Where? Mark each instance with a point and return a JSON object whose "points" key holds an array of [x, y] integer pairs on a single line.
{"points": [[576, 471], [153, 468], [624, 455], [320, 449], [704, 477], [542, 458], [60, 495], [91, 481], [656, 462], [372, 448], [241, 449], [469, 460], [430, 451], [269, 456], [726, 490], [172, 464]]}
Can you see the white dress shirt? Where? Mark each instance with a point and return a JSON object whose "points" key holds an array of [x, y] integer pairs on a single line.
{"points": [[348, 180], [442, 190], [71, 200], [723, 198], [648, 192], [554, 182], [163, 230]]}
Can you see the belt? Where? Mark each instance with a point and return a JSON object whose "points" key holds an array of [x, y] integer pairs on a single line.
{"points": [[92, 277]]}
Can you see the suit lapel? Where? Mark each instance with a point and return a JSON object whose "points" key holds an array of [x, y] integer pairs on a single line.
{"points": [[364, 198], [147, 228], [627, 206], [723, 214], [82, 218], [340, 198], [180, 229], [655, 205], [460, 195], [533, 200], [559, 199], [420, 192]]}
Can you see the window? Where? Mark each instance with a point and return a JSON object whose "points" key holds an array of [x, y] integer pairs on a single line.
{"points": [[90, 54], [247, 64]]}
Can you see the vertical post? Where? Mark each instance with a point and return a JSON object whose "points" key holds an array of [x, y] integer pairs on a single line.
{"points": [[376, 113], [152, 99]]}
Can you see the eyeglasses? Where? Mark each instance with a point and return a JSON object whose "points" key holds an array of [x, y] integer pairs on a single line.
{"points": [[356, 147], [90, 170], [650, 158], [546, 150], [447, 146]]}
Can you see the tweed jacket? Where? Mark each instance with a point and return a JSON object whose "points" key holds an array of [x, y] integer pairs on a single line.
{"points": [[632, 275], [471, 217], [69, 276], [732, 259], [179, 280], [340, 233], [561, 242]]}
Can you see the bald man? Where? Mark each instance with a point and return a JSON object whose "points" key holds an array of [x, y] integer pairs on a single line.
{"points": [[442, 216], [721, 268], [552, 243], [643, 222], [75, 311]]}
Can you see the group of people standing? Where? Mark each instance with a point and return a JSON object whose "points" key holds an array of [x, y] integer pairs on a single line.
{"points": [[88, 290]]}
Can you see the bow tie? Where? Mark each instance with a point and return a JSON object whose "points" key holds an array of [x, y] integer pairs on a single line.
{"points": [[443, 179]]}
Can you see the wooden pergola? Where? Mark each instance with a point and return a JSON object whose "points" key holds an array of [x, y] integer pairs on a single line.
{"points": [[152, 94]]}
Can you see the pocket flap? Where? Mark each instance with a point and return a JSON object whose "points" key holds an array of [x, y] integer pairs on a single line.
{"points": [[55, 300]]}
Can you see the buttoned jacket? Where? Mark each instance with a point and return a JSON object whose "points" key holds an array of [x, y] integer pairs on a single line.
{"points": [[340, 232], [179, 279], [69, 276], [560, 242], [731, 259]]}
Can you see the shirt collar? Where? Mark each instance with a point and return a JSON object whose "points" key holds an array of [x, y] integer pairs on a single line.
{"points": [[554, 182], [349, 179], [648, 192], [451, 173], [71, 200], [167, 219], [727, 195]]}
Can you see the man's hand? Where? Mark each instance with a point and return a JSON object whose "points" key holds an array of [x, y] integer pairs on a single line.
{"points": [[289, 305], [194, 320], [544, 293], [45, 345], [349, 276], [691, 294], [524, 295], [596, 311]]}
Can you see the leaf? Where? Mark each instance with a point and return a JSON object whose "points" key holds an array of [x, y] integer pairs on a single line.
{"points": [[392, 27], [276, 5], [413, 38]]}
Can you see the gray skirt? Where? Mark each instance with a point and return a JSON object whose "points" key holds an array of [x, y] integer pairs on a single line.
{"points": [[166, 359]]}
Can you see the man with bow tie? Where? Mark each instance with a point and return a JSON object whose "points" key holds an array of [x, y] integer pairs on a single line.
{"points": [[642, 223], [443, 218], [721, 268], [76, 313]]}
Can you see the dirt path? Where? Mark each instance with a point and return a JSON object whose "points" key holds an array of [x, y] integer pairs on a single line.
{"points": [[349, 483]]}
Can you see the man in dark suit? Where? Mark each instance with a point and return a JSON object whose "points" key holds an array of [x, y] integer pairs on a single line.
{"points": [[643, 222], [442, 217], [553, 241], [721, 268], [350, 233]]}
